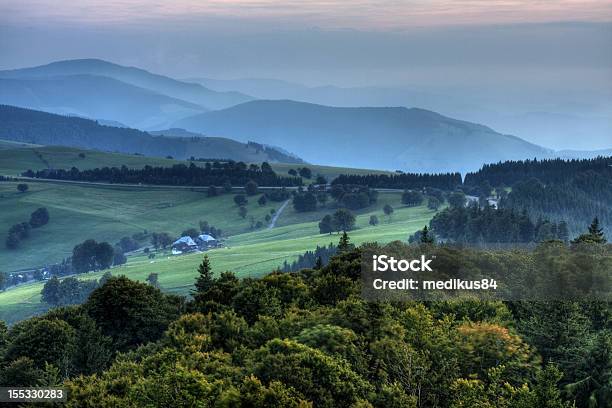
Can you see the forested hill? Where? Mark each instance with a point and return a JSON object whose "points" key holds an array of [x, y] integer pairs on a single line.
{"points": [[30, 126], [553, 170], [414, 140]]}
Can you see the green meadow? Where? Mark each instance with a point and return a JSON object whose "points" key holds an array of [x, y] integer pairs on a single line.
{"points": [[247, 254], [108, 212], [15, 158]]}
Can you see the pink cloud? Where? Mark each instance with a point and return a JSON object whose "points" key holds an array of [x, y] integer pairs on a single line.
{"points": [[358, 14]]}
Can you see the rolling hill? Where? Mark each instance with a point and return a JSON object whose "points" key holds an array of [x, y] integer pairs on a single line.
{"points": [[556, 120], [114, 100], [414, 139], [190, 92], [29, 126]]}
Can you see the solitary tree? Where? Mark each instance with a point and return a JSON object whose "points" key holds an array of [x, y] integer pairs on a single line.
{"points": [[262, 200], [344, 220], [373, 220], [39, 217], [326, 225], [242, 211], [205, 276], [22, 187]]}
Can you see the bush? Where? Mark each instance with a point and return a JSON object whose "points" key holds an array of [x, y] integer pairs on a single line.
{"points": [[39, 217]]}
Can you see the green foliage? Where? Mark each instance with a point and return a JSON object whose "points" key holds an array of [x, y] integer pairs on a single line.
{"points": [[412, 198], [320, 378], [39, 217], [92, 256], [129, 312]]}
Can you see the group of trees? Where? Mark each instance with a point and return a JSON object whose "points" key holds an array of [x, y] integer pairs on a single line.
{"points": [[68, 291], [311, 259], [575, 200], [212, 174], [305, 201], [547, 171], [401, 181], [304, 172], [475, 224], [341, 220], [353, 197], [161, 240], [307, 338], [92, 256], [20, 231]]}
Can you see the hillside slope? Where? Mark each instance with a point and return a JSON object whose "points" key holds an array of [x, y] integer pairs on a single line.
{"points": [[29, 126], [190, 92], [389, 138], [114, 100]]}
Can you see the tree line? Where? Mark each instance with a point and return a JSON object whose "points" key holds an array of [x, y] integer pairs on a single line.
{"points": [[444, 181], [548, 170], [20, 231], [212, 174]]}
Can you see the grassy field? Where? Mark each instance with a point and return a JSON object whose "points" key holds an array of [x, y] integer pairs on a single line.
{"points": [[15, 158], [79, 212], [247, 254], [16, 161], [109, 212]]}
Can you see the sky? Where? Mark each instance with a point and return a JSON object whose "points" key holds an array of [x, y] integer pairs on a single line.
{"points": [[348, 40], [555, 56]]}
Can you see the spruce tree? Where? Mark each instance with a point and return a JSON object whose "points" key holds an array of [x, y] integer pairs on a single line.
{"points": [[596, 232], [344, 245], [205, 277], [426, 236]]}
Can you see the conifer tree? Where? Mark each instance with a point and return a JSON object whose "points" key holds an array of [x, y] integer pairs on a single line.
{"points": [[205, 276], [426, 236], [344, 245], [596, 232]]}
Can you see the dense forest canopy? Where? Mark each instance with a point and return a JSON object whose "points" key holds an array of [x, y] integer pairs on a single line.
{"points": [[547, 171], [308, 339]]}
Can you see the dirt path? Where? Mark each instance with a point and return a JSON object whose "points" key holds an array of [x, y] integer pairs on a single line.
{"points": [[277, 214]]}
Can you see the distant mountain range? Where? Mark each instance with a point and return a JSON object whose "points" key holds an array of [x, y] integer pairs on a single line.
{"points": [[385, 138], [96, 97], [558, 119], [103, 90], [41, 128], [338, 131]]}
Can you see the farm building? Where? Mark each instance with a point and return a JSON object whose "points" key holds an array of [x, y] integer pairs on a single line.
{"points": [[206, 241], [184, 244]]}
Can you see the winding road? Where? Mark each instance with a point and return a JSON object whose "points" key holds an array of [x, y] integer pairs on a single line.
{"points": [[277, 214]]}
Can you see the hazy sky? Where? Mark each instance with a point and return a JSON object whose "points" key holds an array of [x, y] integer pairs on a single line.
{"points": [[511, 57], [320, 41]]}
